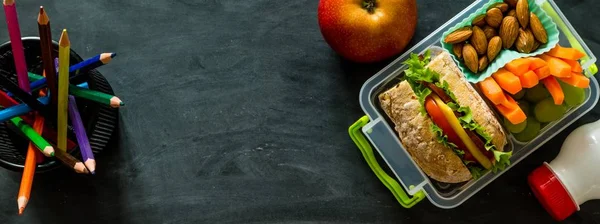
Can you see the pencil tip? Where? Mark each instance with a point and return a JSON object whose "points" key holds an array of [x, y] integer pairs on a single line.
{"points": [[21, 209], [64, 39], [93, 172], [112, 55], [9, 2], [121, 103]]}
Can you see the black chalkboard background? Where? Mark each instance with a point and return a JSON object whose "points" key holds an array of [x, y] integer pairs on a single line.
{"points": [[236, 112]]}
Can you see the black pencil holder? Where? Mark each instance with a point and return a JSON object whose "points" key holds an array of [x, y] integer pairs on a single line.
{"points": [[100, 121]]}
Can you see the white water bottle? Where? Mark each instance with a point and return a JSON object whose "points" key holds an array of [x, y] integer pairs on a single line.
{"points": [[573, 177]]}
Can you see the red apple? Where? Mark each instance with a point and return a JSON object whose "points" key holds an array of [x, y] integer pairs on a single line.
{"points": [[367, 30]]}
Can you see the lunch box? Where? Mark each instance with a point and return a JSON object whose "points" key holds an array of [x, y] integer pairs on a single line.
{"points": [[409, 184]]}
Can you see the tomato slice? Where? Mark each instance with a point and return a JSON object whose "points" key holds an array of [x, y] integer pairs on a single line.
{"points": [[438, 119]]}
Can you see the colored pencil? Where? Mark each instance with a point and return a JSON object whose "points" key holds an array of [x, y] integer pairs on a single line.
{"points": [[76, 78], [64, 46], [19, 110], [36, 138], [95, 96], [82, 139], [29, 169], [48, 133], [14, 32], [71, 161], [22, 95], [46, 48], [91, 63], [82, 91]]}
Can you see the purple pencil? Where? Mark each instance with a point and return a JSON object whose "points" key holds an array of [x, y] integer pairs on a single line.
{"points": [[82, 139]]}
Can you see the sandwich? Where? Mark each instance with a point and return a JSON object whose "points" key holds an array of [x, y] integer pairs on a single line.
{"points": [[444, 124]]}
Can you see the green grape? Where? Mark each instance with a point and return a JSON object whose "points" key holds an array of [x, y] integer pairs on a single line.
{"points": [[537, 93], [515, 128], [524, 105], [519, 95], [573, 95], [530, 132], [547, 111]]}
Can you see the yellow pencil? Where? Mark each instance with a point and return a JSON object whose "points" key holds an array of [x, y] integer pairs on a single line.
{"points": [[63, 89]]}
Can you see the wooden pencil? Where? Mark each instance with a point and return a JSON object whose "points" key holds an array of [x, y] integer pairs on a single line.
{"points": [[82, 91], [18, 110], [81, 135], [96, 96], [29, 168], [34, 137], [48, 133], [80, 68], [91, 63], [14, 32], [46, 48], [71, 161], [63, 90]]}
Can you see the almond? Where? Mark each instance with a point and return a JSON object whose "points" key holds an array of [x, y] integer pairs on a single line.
{"points": [[512, 13], [470, 57], [511, 3], [478, 40], [494, 47], [493, 17], [502, 6], [509, 31], [538, 29], [457, 49], [523, 13], [525, 41], [483, 63], [489, 32], [459, 35], [479, 21], [536, 45]]}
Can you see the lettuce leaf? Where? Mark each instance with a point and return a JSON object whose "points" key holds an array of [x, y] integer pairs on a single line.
{"points": [[502, 160], [476, 172], [442, 138]]}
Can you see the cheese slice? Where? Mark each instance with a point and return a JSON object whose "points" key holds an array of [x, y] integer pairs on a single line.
{"points": [[462, 134]]}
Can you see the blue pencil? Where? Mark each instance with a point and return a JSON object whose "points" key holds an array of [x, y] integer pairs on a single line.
{"points": [[19, 110], [76, 70]]}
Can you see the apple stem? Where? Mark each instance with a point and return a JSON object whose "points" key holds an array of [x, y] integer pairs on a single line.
{"points": [[369, 5]]}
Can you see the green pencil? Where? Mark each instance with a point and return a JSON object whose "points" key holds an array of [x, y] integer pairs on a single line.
{"points": [[37, 140], [89, 94], [96, 96]]}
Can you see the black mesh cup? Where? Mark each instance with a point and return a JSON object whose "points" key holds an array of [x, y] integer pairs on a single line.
{"points": [[99, 120]]}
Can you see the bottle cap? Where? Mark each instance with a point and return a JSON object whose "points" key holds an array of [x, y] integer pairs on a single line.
{"points": [[551, 193]]}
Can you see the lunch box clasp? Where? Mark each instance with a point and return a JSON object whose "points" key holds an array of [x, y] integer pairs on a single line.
{"points": [[367, 151]]}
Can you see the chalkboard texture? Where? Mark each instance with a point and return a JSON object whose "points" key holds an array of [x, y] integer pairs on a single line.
{"points": [[237, 112]]}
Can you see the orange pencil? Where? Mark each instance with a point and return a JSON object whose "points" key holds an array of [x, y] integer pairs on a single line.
{"points": [[29, 170]]}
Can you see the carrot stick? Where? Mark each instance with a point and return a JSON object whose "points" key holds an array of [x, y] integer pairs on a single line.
{"points": [[558, 67], [529, 79], [510, 102], [514, 115], [507, 81], [492, 90], [518, 66], [575, 66], [577, 80], [554, 88], [565, 53], [542, 72], [536, 62]]}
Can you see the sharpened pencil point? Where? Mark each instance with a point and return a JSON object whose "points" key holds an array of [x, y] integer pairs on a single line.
{"points": [[9, 2], [122, 104], [21, 210], [64, 39], [43, 17], [112, 55]]}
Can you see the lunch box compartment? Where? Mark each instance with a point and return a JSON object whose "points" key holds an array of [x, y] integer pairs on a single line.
{"points": [[408, 183]]}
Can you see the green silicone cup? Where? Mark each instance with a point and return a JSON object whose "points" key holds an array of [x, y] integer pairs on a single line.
{"points": [[505, 55]]}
